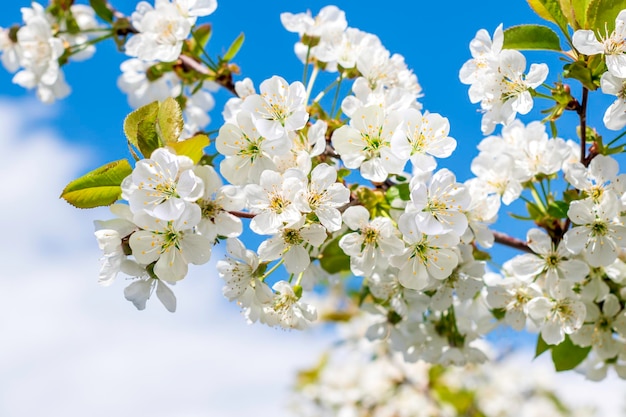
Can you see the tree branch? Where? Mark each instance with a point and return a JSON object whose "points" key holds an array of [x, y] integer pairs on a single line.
{"points": [[512, 242]]}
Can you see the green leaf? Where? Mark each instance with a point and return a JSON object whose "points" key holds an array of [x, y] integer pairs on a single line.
{"points": [[234, 48], [579, 71], [542, 346], [100, 187], [558, 209], [550, 10], [400, 191], [170, 120], [334, 259], [567, 355], [601, 14], [140, 130], [200, 38], [526, 37], [580, 11], [101, 9], [192, 147]]}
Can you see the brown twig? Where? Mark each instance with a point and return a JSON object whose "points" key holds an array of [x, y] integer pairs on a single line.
{"points": [[512, 242]]}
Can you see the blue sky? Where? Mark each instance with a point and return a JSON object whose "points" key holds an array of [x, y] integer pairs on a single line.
{"points": [[63, 327]]}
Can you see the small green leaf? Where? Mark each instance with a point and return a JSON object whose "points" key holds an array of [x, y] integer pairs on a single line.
{"points": [[567, 355], [170, 120], [101, 9], [578, 70], [139, 128], [148, 139], [542, 346], [558, 209], [131, 123], [100, 187], [192, 147], [527, 37], [400, 191], [334, 259], [580, 11], [601, 14], [234, 48], [549, 10], [200, 38]]}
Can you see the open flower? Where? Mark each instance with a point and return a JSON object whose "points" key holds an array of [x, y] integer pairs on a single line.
{"points": [[613, 45]]}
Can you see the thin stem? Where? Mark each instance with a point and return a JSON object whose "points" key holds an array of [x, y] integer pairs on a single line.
{"points": [[242, 214], [90, 42], [326, 90], [305, 70], [621, 135], [309, 86], [299, 280], [582, 114], [212, 65], [537, 197], [332, 111], [272, 269], [510, 241]]}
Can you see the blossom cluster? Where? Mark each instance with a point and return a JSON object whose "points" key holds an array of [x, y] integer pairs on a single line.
{"points": [[359, 378], [497, 79], [34, 50], [161, 31], [351, 187]]}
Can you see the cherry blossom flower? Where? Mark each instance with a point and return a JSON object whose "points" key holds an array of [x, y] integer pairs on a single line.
{"points": [[247, 153], [366, 143], [615, 115], [216, 203], [162, 30], [291, 244], [611, 45], [39, 52], [171, 244], [426, 257], [420, 138], [439, 205], [324, 196], [272, 200], [556, 317], [597, 232], [163, 186], [373, 242], [279, 109]]}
